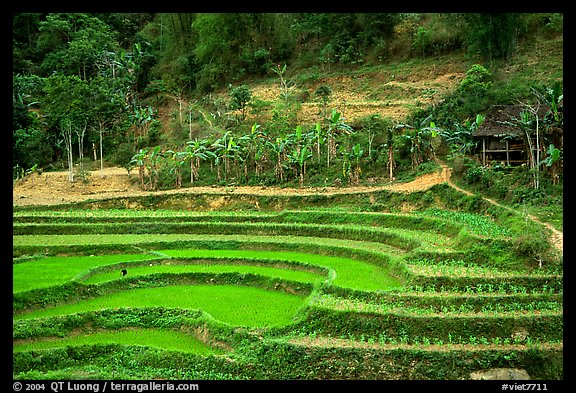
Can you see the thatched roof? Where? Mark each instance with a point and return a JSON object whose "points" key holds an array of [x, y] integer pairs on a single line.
{"points": [[499, 121]]}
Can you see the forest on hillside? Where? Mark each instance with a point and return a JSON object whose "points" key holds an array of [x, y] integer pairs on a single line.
{"points": [[90, 85]]}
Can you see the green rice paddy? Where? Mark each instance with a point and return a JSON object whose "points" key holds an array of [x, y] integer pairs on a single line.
{"points": [[268, 285], [233, 305], [153, 338], [57, 270], [349, 273], [286, 274]]}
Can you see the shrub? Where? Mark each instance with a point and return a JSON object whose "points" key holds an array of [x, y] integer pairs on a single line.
{"points": [[524, 194], [122, 155], [474, 174], [533, 246], [461, 163], [477, 82]]}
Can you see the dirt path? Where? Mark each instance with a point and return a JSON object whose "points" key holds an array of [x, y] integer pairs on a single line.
{"points": [[53, 188], [557, 236]]}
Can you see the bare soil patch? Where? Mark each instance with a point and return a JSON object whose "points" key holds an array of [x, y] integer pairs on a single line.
{"points": [[383, 93], [53, 188]]}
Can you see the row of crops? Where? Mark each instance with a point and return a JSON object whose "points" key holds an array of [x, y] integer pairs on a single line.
{"points": [[294, 294]]}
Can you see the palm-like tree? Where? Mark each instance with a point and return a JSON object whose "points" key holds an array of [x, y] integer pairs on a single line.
{"points": [[138, 159], [356, 155], [218, 150], [419, 139], [151, 161], [336, 125], [177, 160], [256, 149], [278, 148], [196, 151], [300, 156]]}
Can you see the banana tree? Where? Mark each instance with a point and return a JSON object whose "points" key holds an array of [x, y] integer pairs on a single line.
{"points": [[352, 157], [138, 160], [141, 118], [295, 139], [389, 145], [252, 147], [419, 140], [224, 149], [554, 127], [258, 147], [177, 161], [196, 151], [319, 139], [336, 125], [551, 161], [151, 161], [260, 159], [218, 150], [356, 155], [300, 156], [232, 152], [553, 155], [278, 149], [346, 163], [460, 139]]}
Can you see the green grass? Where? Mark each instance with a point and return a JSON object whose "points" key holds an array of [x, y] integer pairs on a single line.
{"points": [[129, 214], [311, 216], [401, 239], [394, 307], [51, 271], [233, 305], [156, 338], [459, 268]]}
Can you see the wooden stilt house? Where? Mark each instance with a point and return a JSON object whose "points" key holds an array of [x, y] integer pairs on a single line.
{"points": [[501, 140]]}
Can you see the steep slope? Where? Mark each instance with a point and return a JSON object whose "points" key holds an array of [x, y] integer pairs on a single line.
{"points": [[389, 90]]}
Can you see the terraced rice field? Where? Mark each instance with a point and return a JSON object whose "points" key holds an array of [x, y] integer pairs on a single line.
{"points": [[317, 294]]}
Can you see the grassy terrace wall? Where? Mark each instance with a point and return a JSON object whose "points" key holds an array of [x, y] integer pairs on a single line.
{"points": [[440, 196], [340, 292]]}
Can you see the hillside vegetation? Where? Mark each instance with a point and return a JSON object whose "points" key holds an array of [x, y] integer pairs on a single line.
{"points": [[291, 100], [285, 196], [101, 87]]}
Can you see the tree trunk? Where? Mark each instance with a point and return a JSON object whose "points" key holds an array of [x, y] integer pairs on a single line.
{"points": [[537, 152], [391, 162], [101, 156], [81, 149], [68, 142]]}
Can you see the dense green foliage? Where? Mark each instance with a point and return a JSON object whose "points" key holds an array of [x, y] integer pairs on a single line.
{"points": [[88, 82]]}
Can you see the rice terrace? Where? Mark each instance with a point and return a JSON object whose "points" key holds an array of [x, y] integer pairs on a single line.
{"points": [[274, 197], [330, 286]]}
